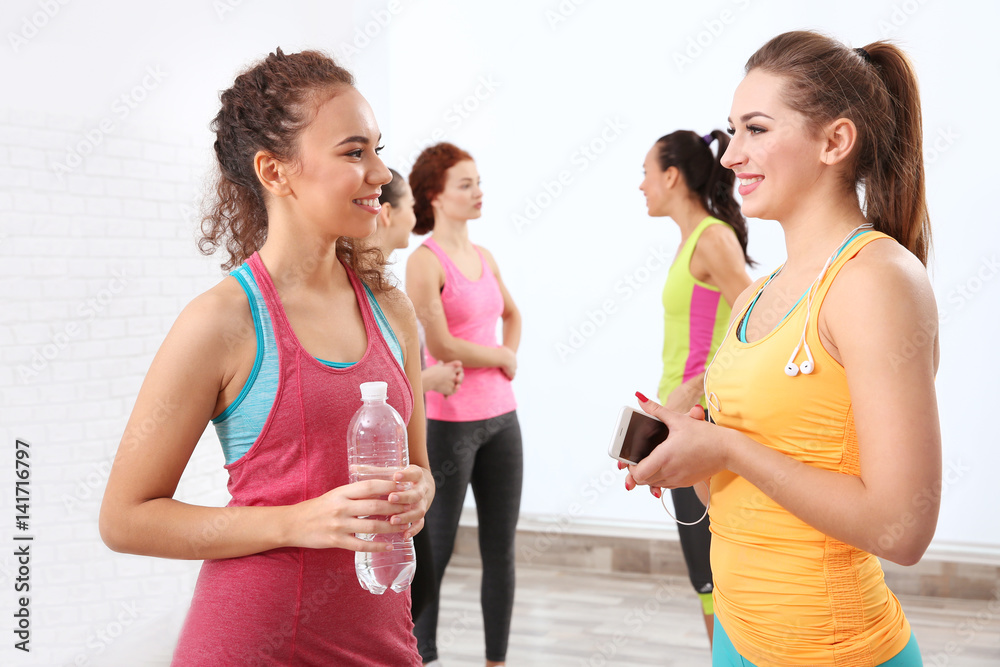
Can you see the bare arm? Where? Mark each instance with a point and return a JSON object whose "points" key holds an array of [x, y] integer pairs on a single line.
{"points": [[399, 312], [719, 261], [179, 394], [891, 509], [424, 279]]}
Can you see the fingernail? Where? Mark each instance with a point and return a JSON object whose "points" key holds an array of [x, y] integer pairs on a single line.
{"points": [[628, 487], [641, 397], [657, 493], [393, 498], [621, 466]]}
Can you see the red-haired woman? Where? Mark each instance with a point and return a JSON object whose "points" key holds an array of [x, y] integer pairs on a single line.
{"points": [[273, 356], [827, 450], [473, 435]]}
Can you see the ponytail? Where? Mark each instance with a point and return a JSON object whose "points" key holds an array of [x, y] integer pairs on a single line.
{"points": [[895, 198], [705, 176], [876, 88]]}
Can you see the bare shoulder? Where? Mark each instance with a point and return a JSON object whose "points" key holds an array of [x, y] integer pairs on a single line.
{"points": [[424, 261], [884, 272], [396, 305], [216, 324], [719, 250], [880, 297], [719, 236]]}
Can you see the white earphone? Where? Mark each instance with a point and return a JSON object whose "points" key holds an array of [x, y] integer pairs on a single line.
{"points": [[808, 366]]}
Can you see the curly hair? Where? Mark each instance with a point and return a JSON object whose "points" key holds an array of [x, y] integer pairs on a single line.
{"points": [[266, 108], [427, 180]]}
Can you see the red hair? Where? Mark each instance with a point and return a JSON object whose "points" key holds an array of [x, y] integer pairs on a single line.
{"points": [[427, 180]]}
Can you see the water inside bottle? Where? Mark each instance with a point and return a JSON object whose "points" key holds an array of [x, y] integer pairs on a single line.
{"points": [[383, 570]]}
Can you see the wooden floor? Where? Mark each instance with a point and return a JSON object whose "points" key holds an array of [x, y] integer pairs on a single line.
{"points": [[572, 618], [580, 619]]}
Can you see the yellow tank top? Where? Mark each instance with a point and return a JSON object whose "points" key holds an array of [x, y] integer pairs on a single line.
{"points": [[785, 593]]}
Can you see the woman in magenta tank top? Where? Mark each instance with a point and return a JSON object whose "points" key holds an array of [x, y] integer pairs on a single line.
{"points": [[297, 149], [473, 437]]}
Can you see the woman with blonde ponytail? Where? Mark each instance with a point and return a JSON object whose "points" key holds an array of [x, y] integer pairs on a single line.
{"points": [[825, 454]]}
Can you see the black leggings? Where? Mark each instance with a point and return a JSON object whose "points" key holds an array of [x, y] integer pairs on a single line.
{"points": [[487, 454], [696, 540]]}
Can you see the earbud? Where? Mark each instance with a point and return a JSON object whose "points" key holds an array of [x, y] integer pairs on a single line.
{"points": [[808, 366]]}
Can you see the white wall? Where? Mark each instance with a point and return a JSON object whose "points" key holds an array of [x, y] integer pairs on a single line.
{"points": [[96, 261]]}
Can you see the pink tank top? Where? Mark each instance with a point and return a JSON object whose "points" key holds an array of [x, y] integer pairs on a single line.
{"points": [[472, 308], [295, 606]]}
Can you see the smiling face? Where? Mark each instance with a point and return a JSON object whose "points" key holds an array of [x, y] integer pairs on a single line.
{"points": [[774, 151], [337, 176], [461, 198]]}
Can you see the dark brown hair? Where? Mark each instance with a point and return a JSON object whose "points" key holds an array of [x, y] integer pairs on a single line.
{"points": [[266, 108], [427, 180], [393, 190], [705, 176], [875, 87]]}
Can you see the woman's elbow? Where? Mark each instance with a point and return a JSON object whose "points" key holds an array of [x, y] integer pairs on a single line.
{"points": [[898, 547], [441, 350], [111, 525]]}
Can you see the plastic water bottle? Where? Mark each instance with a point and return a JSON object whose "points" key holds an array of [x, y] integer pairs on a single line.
{"points": [[376, 449]]}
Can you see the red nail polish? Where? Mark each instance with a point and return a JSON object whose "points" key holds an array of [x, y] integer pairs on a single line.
{"points": [[657, 493], [641, 397]]}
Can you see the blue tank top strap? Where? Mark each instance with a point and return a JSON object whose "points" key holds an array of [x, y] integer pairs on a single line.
{"points": [[741, 330], [240, 424]]}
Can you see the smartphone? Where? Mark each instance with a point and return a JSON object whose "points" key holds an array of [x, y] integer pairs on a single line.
{"points": [[636, 435]]}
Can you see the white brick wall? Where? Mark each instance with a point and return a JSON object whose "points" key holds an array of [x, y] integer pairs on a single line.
{"points": [[94, 267]]}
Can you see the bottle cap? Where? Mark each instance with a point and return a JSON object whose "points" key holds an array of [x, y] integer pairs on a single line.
{"points": [[373, 391]]}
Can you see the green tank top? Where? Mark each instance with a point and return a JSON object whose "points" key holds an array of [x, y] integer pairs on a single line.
{"points": [[695, 318]]}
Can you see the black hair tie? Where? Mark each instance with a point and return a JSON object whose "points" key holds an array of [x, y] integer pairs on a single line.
{"points": [[864, 55]]}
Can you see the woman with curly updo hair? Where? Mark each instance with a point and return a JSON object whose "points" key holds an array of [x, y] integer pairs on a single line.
{"points": [[274, 355], [473, 435]]}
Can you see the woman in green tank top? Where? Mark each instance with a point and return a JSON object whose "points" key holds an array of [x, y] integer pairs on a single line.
{"points": [[684, 181]]}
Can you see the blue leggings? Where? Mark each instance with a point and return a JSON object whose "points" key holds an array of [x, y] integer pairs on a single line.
{"points": [[724, 654]]}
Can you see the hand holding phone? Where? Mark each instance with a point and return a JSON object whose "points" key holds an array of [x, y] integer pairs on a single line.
{"points": [[636, 435]]}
